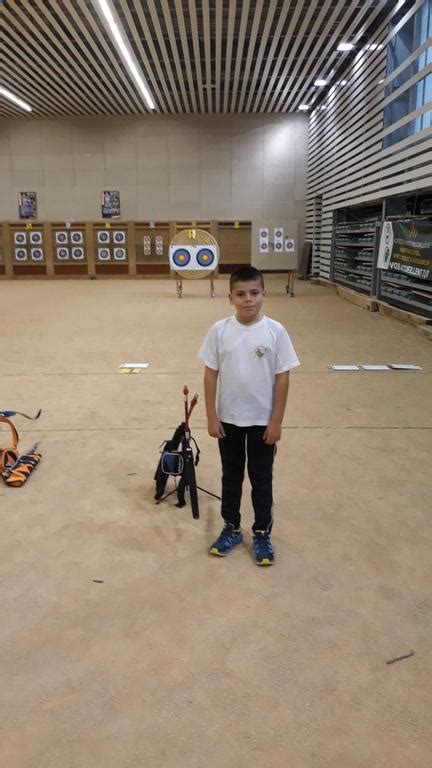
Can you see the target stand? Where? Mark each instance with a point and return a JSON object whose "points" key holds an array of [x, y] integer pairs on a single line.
{"points": [[193, 254]]}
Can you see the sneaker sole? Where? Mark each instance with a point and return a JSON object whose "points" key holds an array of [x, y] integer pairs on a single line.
{"points": [[265, 562], [214, 551]]}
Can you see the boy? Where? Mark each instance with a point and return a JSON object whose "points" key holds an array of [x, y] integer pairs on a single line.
{"points": [[247, 359]]}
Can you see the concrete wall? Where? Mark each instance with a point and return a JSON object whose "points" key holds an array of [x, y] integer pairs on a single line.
{"points": [[196, 167]]}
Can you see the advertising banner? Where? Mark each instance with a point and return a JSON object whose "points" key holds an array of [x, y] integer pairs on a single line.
{"points": [[406, 246]]}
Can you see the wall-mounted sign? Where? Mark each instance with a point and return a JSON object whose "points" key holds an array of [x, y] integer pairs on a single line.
{"points": [[27, 205], [110, 205]]}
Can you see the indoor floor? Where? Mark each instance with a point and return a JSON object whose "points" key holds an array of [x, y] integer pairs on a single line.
{"points": [[124, 644]]}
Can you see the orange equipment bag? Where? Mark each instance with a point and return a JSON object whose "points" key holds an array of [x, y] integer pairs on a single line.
{"points": [[16, 469]]}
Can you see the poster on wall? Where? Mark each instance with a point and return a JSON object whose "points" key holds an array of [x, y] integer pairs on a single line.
{"points": [[264, 240], [278, 238], [27, 205], [289, 245], [406, 246], [110, 205]]}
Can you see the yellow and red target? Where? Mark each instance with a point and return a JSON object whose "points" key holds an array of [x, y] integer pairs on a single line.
{"points": [[181, 257], [205, 257]]}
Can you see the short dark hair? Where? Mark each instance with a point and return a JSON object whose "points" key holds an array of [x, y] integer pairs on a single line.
{"points": [[243, 274]]}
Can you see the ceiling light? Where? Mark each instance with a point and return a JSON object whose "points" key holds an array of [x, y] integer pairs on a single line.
{"points": [[345, 47], [304, 107], [20, 103], [320, 82], [123, 49]]}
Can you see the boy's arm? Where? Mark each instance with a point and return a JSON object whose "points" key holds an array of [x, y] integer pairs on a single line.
{"points": [[273, 430], [214, 426]]}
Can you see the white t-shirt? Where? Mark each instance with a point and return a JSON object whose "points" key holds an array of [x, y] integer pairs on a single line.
{"points": [[248, 357]]}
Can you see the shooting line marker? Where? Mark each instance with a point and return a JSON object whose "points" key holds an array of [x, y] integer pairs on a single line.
{"points": [[132, 367]]}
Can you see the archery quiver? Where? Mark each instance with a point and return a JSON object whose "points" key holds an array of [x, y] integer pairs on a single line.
{"points": [[15, 469], [167, 447]]}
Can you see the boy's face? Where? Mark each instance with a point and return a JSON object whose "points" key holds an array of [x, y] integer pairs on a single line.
{"points": [[247, 297]]}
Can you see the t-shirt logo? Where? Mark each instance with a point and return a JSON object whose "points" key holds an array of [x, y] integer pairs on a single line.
{"points": [[260, 351]]}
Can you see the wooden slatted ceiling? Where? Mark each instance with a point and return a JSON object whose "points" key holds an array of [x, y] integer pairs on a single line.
{"points": [[195, 55]]}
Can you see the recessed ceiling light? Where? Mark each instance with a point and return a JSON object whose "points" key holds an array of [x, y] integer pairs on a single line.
{"points": [[345, 47], [123, 49], [304, 107], [19, 102], [320, 82]]}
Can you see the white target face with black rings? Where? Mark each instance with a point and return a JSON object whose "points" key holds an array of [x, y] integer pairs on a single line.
{"points": [[120, 254], [37, 254], [77, 238], [61, 238], [104, 254], [205, 258], [119, 237], [78, 253], [193, 257], [180, 258], [103, 236], [36, 238], [62, 254], [20, 254], [20, 238]]}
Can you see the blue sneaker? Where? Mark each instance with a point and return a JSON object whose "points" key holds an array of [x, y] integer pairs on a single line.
{"points": [[226, 541], [263, 548]]}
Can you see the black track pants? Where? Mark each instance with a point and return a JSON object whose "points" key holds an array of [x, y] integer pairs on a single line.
{"points": [[233, 448]]}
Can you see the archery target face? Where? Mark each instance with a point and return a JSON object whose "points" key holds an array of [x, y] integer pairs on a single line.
{"points": [[36, 238], [103, 236], [20, 238], [61, 238], [278, 237], [120, 254], [180, 258], [62, 254], [119, 237], [205, 258], [37, 254], [159, 245], [147, 245], [194, 257], [77, 238], [20, 254], [104, 254], [78, 253]]}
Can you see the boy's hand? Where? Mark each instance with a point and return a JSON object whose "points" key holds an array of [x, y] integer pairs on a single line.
{"points": [[215, 428], [272, 433]]}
